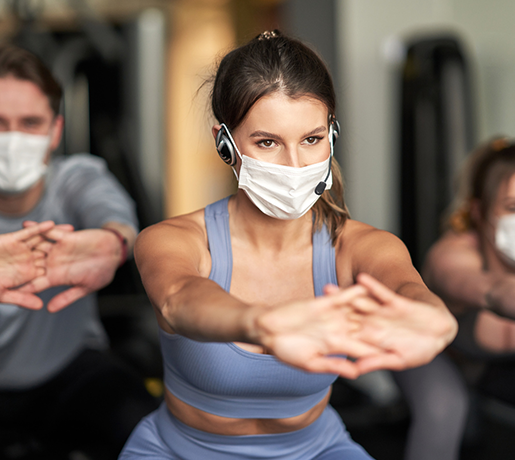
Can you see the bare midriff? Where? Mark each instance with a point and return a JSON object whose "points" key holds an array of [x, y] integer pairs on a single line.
{"points": [[216, 424]]}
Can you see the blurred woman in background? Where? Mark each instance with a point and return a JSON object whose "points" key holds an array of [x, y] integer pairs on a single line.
{"points": [[473, 265]]}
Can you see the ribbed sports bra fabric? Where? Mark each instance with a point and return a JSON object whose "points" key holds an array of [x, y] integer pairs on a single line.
{"points": [[224, 379]]}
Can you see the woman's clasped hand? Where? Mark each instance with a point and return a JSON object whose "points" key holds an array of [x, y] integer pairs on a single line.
{"points": [[367, 322]]}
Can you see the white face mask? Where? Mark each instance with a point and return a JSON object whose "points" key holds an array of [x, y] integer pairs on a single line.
{"points": [[21, 160], [283, 192], [505, 237]]}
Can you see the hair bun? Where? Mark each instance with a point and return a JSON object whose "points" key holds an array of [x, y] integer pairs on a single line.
{"points": [[269, 34]]}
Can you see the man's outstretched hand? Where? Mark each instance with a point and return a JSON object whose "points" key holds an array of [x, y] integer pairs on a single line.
{"points": [[21, 261], [85, 260]]}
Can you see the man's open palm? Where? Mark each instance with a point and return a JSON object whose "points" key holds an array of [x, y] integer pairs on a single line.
{"points": [[85, 260]]}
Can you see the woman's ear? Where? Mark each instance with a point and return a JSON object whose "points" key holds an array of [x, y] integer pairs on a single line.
{"points": [[215, 130]]}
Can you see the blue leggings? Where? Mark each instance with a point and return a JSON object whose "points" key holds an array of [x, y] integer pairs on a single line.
{"points": [[160, 436]]}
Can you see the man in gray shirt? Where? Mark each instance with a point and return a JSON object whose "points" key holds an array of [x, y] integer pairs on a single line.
{"points": [[58, 381]]}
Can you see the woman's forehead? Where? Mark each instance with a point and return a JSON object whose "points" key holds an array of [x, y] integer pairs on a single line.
{"points": [[278, 109]]}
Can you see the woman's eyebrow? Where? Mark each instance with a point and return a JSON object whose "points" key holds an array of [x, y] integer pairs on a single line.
{"points": [[268, 135], [318, 130], [265, 134]]}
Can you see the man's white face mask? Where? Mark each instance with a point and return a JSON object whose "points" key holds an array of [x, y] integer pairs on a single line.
{"points": [[505, 237], [21, 160]]}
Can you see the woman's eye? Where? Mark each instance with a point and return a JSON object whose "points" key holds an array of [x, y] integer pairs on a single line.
{"points": [[312, 140], [266, 143]]}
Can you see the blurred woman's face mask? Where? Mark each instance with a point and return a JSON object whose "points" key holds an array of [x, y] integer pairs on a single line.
{"points": [[22, 158], [505, 237]]}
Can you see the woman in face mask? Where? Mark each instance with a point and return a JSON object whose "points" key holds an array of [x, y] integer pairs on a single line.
{"points": [[473, 265], [260, 296]]}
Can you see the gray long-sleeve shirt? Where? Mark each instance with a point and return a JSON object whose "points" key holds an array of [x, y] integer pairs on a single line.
{"points": [[36, 345]]}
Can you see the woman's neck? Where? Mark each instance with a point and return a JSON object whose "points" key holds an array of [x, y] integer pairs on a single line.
{"points": [[269, 233]]}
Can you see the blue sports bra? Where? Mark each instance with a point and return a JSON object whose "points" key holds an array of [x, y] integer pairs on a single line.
{"points": [[224, 379]]}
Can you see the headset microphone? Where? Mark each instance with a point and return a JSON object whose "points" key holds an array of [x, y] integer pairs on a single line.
{"points": [[334, 132]]}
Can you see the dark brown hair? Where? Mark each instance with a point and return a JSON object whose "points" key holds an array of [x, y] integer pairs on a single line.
{"points": [[24, 65], [269, 63], [487, 167]]}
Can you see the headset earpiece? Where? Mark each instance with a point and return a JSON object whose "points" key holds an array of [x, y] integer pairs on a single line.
{"points": [[334, 130], [225, 146]]}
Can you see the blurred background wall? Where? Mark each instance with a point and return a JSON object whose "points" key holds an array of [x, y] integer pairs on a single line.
{"points": [[132, 71], [371, 40]]}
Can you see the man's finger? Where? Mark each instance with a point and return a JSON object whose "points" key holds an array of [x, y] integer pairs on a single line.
{"points": [[40, 262], [33, 241], [44, 247], [56, 234], [25, 300], [36, 285], [33, 230], [65, 227], [39, 257], [66, 298]]}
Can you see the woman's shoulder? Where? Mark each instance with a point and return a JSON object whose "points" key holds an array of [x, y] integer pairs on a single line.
{"points": [[364, 248], [450, 237], [180, 229], [359, 244], [452, 246], [357, 235]]}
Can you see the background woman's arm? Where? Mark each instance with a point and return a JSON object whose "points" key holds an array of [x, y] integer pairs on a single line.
{"points": [[454, 269]]}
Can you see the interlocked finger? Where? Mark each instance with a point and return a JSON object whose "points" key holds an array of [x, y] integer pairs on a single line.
{"points": [[40, 261], [365, 304], [33, 241], [44, 246]]}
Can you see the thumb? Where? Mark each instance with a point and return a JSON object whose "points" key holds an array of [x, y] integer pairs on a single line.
{"points": [[66, 298], [26, 300]]}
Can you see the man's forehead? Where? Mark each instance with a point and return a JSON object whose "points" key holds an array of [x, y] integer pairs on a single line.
{"points": [[22, 98]]}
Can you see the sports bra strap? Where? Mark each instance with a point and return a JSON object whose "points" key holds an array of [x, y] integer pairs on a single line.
{"points": [[324, 261], [216, 216], [219, 240]]}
